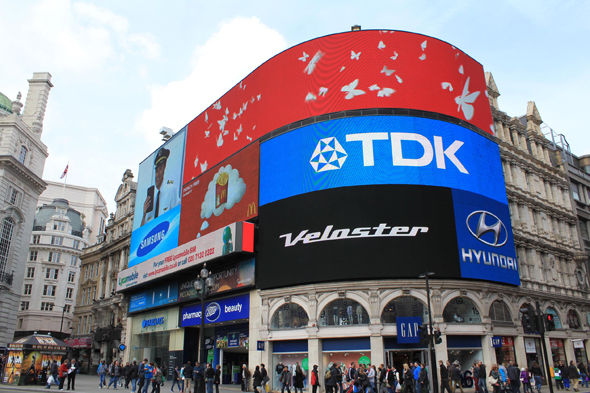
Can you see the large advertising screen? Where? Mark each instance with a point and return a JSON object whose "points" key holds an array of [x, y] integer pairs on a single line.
{"points": [[224, 194], [157, 206], [346, 71]]}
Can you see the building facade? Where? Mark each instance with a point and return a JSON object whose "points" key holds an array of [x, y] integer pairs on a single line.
{"points": [[22, 159], [366, 183], [100, 315]]}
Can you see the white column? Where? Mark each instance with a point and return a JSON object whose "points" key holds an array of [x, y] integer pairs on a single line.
{"points": [[377, 350], [519, 350]]}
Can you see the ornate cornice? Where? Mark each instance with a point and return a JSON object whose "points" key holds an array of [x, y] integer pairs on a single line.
{"points": [[25, 174]]}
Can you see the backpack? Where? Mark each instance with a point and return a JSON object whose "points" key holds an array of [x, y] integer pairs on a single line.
{"points": [[328, 374]]}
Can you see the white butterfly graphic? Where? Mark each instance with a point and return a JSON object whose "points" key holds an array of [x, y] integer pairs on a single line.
{"points": [[423, 45], [381, 45], [235, 115], [206, 117], [239, 130], [252, 100], [386, 71], [323, 91], [240, 112], [385, 92], [235, 137], [374, 87], [422, 56], [310, 97], [247, 137], [217, 105], [240, 84], [220, 140], [354, 56], [222, 123], [351, 90], [394, 57], [253, 128], [258, 97], [447, 85], [225, 132], [196, 161], [313, 62], [342, 69], [206, 134], [465, 100], [461, 69], [204, 166], [245, 106], [304, 57], [400, 80], [227, 111]]}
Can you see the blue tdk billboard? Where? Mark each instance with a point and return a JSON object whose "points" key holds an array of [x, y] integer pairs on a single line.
{"points": [[399, 194]]}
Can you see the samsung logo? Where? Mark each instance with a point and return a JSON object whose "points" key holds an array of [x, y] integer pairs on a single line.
{"points": [[153, 238]]}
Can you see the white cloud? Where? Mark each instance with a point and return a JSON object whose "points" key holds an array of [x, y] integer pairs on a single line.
{"points": [[236, 188], [236, 49]]}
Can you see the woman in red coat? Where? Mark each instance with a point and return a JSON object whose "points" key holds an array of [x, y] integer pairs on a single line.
{"points": [[63, 373]]}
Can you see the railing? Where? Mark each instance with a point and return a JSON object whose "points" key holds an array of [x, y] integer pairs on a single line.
{"points": [[6, 278]]}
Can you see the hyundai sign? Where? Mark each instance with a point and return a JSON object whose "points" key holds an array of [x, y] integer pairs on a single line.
{"points": [[223, 310]]}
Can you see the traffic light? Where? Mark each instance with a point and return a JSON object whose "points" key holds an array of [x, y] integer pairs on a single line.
{"points": [[549, 322], [423, 334], [437, 338], [529, 320]]}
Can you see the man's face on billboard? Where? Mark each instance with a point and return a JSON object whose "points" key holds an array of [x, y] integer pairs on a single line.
{"points": [[160, 169]]}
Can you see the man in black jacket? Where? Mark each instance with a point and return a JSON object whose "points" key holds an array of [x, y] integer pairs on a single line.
{"points": [[514, 376], [444, 377], [141, 374], [188, 377], [381, 377], [574, 375], [483, 386], [133, 374]]}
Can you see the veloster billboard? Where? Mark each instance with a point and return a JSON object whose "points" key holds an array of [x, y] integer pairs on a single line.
{"points": [[346, 71]]}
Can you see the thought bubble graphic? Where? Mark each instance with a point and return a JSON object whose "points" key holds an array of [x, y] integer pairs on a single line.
{"points": [[224, 191]]}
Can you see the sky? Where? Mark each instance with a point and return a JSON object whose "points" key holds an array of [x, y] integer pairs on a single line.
{"points": [[124, 69]]}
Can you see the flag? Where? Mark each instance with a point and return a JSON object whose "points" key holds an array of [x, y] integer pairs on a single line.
{"points": [[65, 172]]}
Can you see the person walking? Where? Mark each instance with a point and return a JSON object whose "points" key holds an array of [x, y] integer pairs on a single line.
{"points": [[456, 376], [102, 371], [245, 378], [72, 374], [514, 377], [176, 378], [63, 373], [299, 378], [423, 379], [256, 379], [408, 379], [315, 379], [114, 372], [371, 374], [285, 380], [583, 374], [141, 374], [565, 375], [217, 380], [156, 378], [54, 372], [525, 379], [574, 375], [198, 373], [149, 373], [496, 378], [475, 376], [188, 377], [537, 375], [558, 380], [392, 379], [483, 386], [133, 374], [265, 377], [444, 377], [209, 377]]}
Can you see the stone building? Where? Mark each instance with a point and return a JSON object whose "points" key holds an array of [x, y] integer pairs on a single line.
{"points": [[22, 159], [100, 314]]}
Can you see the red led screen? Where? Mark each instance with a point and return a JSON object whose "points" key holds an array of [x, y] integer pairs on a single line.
{"points": [[354, 70], [225, 194]]}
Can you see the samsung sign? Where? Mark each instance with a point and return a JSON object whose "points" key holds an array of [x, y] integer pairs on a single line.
{"points": [[223, 310]]}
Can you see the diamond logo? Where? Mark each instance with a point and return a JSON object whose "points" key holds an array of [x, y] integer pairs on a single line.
{"points": [[328, 155]]}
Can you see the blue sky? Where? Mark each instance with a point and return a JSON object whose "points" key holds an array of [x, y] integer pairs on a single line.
{"points": [[124, 69]]}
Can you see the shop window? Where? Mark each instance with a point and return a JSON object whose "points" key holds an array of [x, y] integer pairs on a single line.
{"points": [[557, 351], [344, 312], [506, 353], [404, 306], [556, 318], [573, 320], [461, 310], [289, 316], [499, 313]]}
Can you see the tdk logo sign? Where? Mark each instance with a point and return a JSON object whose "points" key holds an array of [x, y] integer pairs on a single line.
{"points": [[329, 154], [213, 312], [152, 322], [478, 226], [153, 238]]}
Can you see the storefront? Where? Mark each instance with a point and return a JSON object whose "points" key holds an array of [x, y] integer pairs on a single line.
{"points": [[155, 336], [504, 347], [580, 351], [81, 350], [398, 354], [557, 350], [533, 350], [466, 350], [290, 354]]}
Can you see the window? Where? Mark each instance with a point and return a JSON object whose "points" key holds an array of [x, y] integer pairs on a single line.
{"points": [[69, 293], [79, 324], [96, 270], [91, 271], [84, 324], [344, 312], [499, 312], [23, 155], [20, 324], [13, 196], [93, 293], [404, 306], [51, 274], [584, 229], [289, 316], [33, 256], [62, 212], [575, 191], [83, 296], [71, 277], [30, 272], [24, 306], [36, 239], [5, 240], [47, 306], [48, 290], [89, 323], [67, 308], [86, 272], [76, 244], [461, 310], [59, 226], [57, 240], [74, 260], [556, 318], [54, 257], [28, 289]]}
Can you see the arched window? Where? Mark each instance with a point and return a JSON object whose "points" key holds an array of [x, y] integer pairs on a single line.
{"points": [[5, 240], [289, 316], [556, 320], [500, 313], [573, 320], [461, 310], [404, 306], [22, 155], [344, 312]]}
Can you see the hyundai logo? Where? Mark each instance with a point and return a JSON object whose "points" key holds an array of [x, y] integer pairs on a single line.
{"points": [[213, 312], [485, 225]]}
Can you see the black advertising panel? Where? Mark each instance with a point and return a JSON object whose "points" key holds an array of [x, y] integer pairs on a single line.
{"points": [[355, 233]]}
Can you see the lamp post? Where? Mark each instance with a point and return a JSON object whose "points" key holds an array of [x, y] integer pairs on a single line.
{"points": [[203, 285], [431, 335]]}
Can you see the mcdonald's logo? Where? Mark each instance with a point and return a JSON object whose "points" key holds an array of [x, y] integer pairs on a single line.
{"points": [[252, 209]]}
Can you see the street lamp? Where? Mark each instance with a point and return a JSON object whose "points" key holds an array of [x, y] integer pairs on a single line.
{"points": [[203, 285], [431, 335]]}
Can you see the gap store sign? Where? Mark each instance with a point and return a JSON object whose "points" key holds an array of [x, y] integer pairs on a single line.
{"points": [[230, 309]]}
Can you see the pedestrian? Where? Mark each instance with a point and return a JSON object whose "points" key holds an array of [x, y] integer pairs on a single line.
{"points": [[423, 379], [483, 386], [198, 372], [133, 374], [315, 379], [245, 378], [265, 377], [574, 375], [63, 373], [72, 374], [444, 377], [456, 376], [256, 379], [125, 374], [188, 377], [330, 379], [299, 378], [149, 373], [114, 373], [583, 374], [514, 377], [285, 380], [558, 380], [278, 373], [475, 376], [164, 373], [525, 380], [371, 374], [218, 377], [392, 379], [54, 372], [495, 378], [141, 375], [565, 375], [176, 378], [351, 374], [209, 377], [408, 379], [156, 378], [537, 376]]}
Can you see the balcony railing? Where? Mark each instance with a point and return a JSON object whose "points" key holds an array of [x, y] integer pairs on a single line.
{"points": [[6, 278]]}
